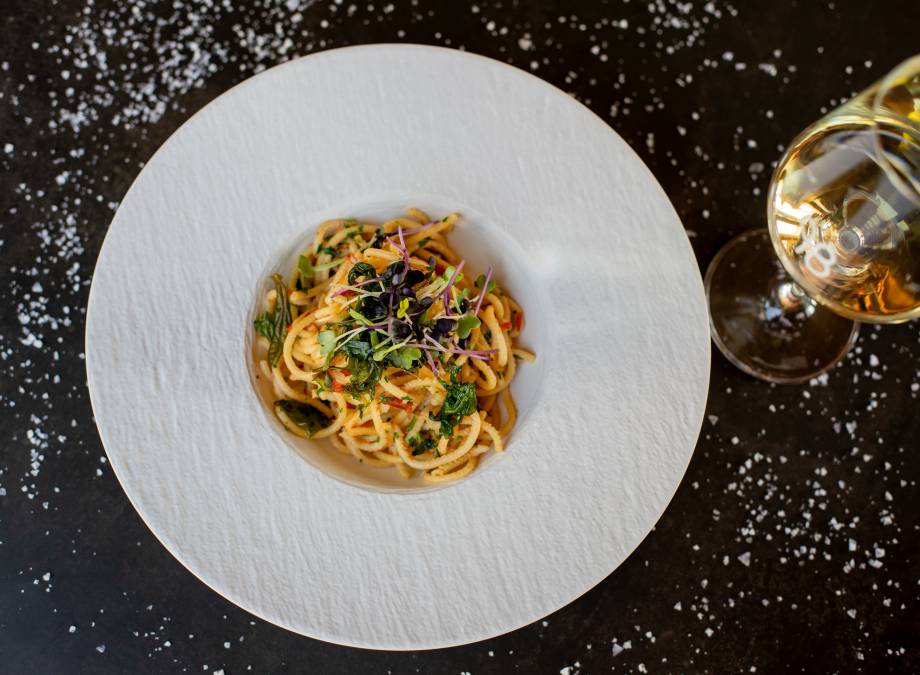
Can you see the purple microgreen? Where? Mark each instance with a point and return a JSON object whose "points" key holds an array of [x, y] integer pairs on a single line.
{"points": [[349, 336], [401, 249], [446, 296], [416, 230], [437, 345], [472, 353], [360, 318], [431, 363], [402, 243], [380, 354], [485, 289], [355, 287]]}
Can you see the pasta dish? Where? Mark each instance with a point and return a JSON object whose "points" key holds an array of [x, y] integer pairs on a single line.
{"points": [[382, 342]]}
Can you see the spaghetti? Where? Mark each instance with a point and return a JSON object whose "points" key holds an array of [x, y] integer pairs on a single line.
{"points": [[381, 343]]}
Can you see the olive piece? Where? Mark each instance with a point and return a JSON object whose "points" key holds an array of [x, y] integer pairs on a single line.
{"points": [[415, 277], [401, 330], [373, 309], [397, 272], [444, 326]]}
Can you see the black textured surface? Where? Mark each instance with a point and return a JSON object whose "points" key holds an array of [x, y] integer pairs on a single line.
{"points": [[792, 544]]}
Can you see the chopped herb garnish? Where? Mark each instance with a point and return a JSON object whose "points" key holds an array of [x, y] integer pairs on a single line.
{"points": [[459, 402], [364, 375], [421, 443], [301, 415]]}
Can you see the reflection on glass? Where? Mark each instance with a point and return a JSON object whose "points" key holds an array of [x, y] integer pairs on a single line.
{"points": [[844, 219]]}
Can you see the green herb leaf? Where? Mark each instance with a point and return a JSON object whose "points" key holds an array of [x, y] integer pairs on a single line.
{"points": [[466, 324], [325, 249], [358, 348], [449, 272], [281, 319], [405, 358], [361, 270], [481, 279], [403, 308], [263, 324], [326, 339], [303, 416], [460, 297]]}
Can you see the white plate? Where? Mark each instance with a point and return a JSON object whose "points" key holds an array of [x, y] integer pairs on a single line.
{"points": [[586, 240]]}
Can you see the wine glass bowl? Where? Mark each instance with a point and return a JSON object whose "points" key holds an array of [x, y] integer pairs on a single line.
{"points": [[843, 215]]}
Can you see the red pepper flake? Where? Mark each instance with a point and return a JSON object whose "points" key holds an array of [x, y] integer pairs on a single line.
{"points": [[396, 403], [505, 326], [519, 321]]}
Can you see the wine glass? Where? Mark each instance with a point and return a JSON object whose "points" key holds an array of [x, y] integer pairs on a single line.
{"points": [[843, 216]]}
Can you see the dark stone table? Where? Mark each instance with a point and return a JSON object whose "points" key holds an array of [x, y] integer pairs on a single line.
{"points": [[792, 544]]}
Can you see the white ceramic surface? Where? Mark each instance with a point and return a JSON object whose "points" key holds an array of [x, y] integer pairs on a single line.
{"points": [[613, 408]]}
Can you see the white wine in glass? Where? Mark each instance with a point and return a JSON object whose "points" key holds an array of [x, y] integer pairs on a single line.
{"points": [[843, 217]]}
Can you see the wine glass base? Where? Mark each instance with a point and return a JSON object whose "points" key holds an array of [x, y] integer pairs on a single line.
{"points": [[763, 323]]}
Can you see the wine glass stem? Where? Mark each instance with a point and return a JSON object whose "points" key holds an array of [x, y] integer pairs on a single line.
{"points": [[792, 298]]}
